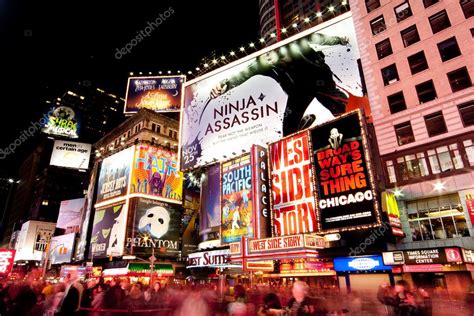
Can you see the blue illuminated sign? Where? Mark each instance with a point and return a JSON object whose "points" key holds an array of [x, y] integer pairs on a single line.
{"points": [[366, 263]]}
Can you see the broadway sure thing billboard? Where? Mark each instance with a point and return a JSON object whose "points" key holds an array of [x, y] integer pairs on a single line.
{"points": [[344, 177], [296, 83], [159, 94]]}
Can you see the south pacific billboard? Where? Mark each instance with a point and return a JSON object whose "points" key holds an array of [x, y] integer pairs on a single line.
{"points": [[297, 83], [344, 177], [108, 231], [156, 228], [159, 94], [155, 172], [292, 183], [114, 175]]}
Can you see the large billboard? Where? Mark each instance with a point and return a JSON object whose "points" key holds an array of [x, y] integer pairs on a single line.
{"points": [[114, 175], [300, 82], [70, 154], [33, 240], [63, 122], [159, 94], [344, 178], [210, 214], [155, 172], [108, 231], [293, 202], [156, 228], [236, 199], [70, 215], [61, 249], [6, 262]]}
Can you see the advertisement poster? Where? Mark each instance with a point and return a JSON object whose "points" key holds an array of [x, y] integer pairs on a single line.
{"points": [[190, 220], [344, 180], [155, 172], [156, 228], [292, 186], [114, 175], [70, 215], [159, 94], [467, 196], [390, 206], [6, 262], [210, 200], [261, 190], [236, 199], [70, 154], [108, 231], [62, 248], [62, 122], [272, 93], [33, 240]]}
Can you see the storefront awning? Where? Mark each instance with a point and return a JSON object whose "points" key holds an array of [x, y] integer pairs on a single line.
{"points": [[141, 269]]}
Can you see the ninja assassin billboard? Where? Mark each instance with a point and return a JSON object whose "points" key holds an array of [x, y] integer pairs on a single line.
{"points": [[297, 83]]}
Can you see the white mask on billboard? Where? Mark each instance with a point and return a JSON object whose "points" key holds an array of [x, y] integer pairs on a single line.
{"points": [[157, 220]]}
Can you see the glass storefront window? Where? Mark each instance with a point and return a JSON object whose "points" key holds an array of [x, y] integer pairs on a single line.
{"points": [[438, 228], [461, 226], [444, 158], [426, 232], [415, 230], [449, 227], [457, 159]]}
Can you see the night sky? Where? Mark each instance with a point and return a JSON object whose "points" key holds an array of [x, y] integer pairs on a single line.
{"points": [[49, 45]]}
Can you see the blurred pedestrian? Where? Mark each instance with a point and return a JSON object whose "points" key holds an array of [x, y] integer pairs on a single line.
{"points": [[72, 296], [404, 301], [239, 306], [271, 305], [98, 300], [302, 304]]}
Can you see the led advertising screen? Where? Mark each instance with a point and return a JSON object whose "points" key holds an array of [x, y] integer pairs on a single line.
{"points": [[156, 228], [297, 83], [70, 154], [236, 199], [62, 248], [114, 175], [291, 176], [6, 262], [210, 214], [344, 179], [159, 94], [70, 215], [64, 122], [108, 231], [155, 172]]}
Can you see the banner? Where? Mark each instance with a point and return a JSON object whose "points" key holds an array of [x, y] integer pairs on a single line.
{"points": [[390, 206], [70, 215], [114, 175], [156, 228], [210, 200], [272, 93], [155, 172], [261, 189], [344, 179], [62, 248], [291, 176], [6, 262], [159, 94], [108, 231], [62, 122], [70, 154], [236, 199]]}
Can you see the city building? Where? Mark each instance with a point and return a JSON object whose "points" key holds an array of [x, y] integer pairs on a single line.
{"points": [[417, 62]]}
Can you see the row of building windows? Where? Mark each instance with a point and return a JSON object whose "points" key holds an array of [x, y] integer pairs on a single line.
{"points": [[403, 10], [431, 162], [458, 79]]}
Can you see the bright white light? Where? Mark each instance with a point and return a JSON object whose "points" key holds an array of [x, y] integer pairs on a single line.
{"points": [[397, 192], [344, 2], [197, 69], [251, 44], [331, 8], [295, 25], [242, 49], [169, 71], [306, 20], [149, 72], [131, 74], [190, 72], [262, 40], [439, 186], [319, 14], [11, 180], [141, 73], [214, 61], [283, 30], [179, 71], [160, 72], [232, 53], [222, 57], [206, 65], [272, 35]]}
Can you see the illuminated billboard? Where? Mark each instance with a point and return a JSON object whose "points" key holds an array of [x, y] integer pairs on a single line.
{"points": [[344, 179], [159, 94], [33, 240], [293, 201], [155, 172], [70, 154], [210, 214], [108, 231], [62, 122], [114, 175], [70, 215], [156, 228], [62, 248], [6, 262], [297, 83]]}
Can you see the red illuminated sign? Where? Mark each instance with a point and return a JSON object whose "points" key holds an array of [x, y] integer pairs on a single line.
{"points": [[6, 261]]}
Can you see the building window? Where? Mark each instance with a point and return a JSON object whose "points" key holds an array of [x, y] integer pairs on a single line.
{"points": [[445, 159], [404, 133], [396, 102], [459, 79], [437, 218], [412, 166], [410, 36], [417, 62], [467, 113], [426, 91], [378, 25], [158, 129], [439, 21], [391, 171], [129, 133], [435, 124], [428, 3], [371, 5], [403, 11], [153, 126], [390, 74], [469, 148], [448, 49], [383, 48], [467, 7]]}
